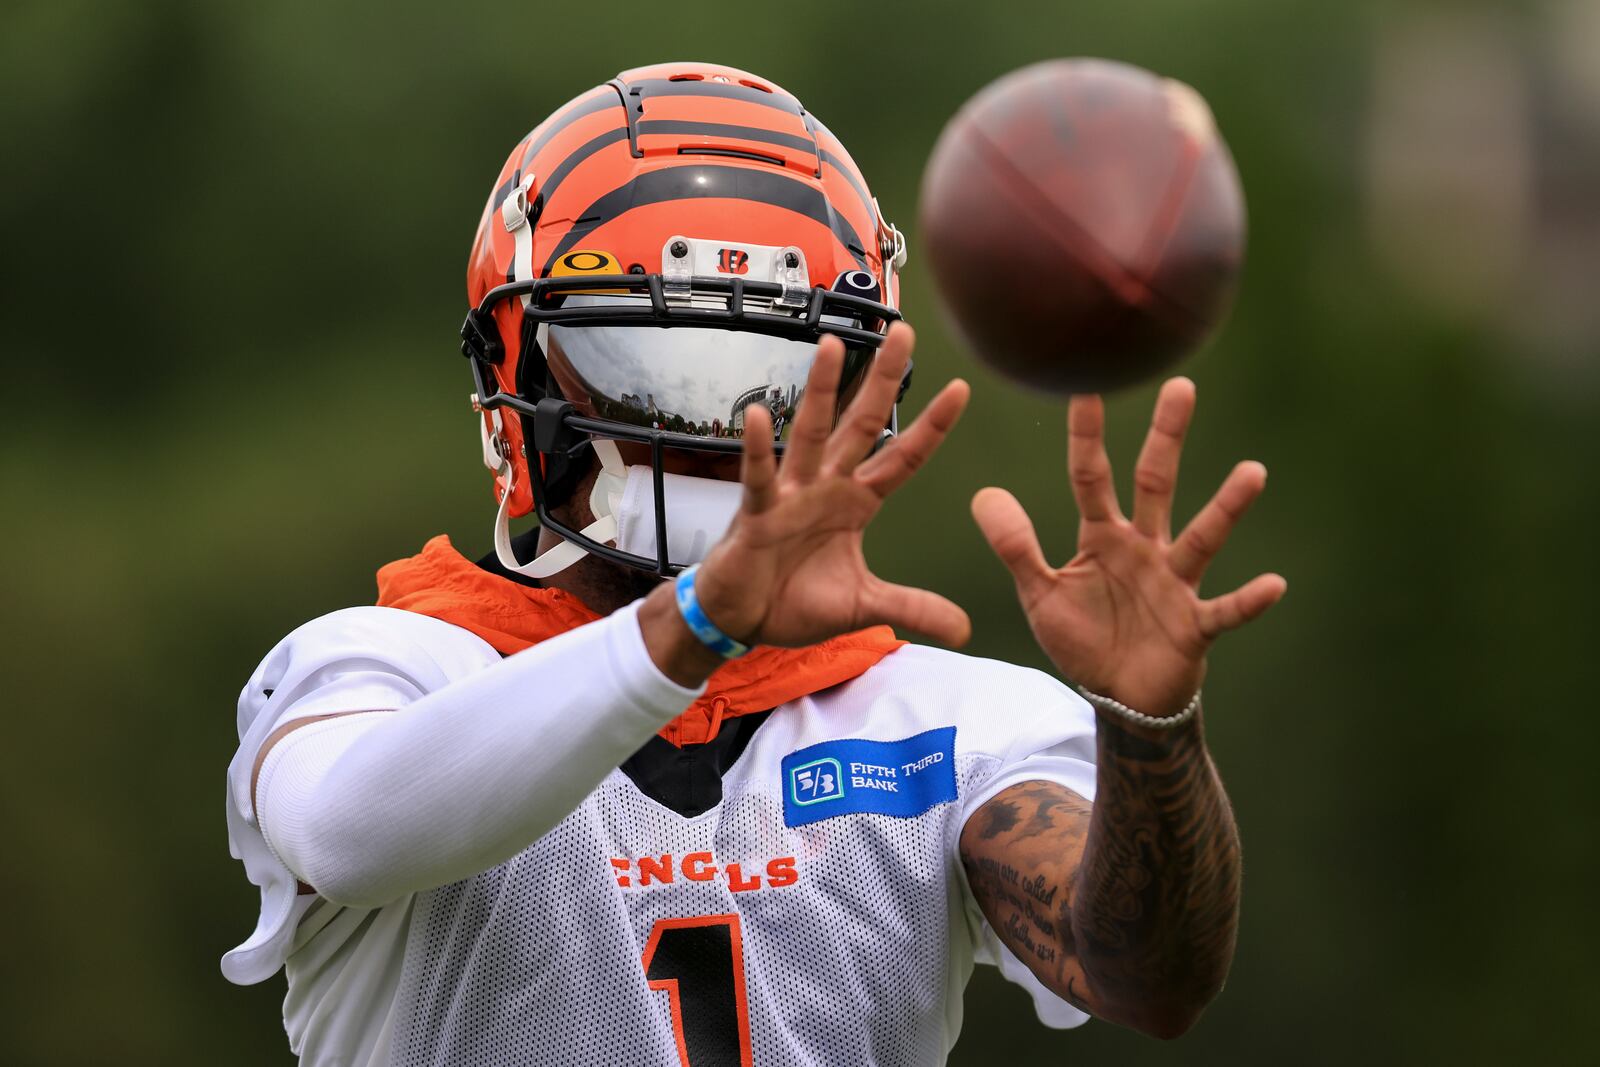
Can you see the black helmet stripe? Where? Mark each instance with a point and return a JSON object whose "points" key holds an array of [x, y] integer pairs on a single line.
{"points": [[547, 187], [562, 119], [753, 133], [767, 186], [554, 125], [849, 172], [658, 127], [861, 190]]}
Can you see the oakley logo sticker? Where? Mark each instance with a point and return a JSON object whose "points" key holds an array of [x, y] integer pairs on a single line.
{"points": [[733, 261], [585, 261]]}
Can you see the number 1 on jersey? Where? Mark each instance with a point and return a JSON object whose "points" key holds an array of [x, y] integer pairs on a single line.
{"points": [[699, 963]]}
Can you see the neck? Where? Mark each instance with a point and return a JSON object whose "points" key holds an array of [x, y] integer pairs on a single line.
{"points": [[603, 587]]}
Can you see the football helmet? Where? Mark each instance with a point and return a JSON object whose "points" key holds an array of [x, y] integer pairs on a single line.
{"points": [[663, 251]]}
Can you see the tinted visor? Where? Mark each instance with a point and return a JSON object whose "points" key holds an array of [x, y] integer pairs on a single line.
{"points": [[683, 379]]}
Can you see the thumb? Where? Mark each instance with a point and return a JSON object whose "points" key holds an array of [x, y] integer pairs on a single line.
{"points": [[1010, 533], [918, 610]]}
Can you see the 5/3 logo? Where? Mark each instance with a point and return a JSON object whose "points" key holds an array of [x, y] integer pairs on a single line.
{"points": [[812, 783]]}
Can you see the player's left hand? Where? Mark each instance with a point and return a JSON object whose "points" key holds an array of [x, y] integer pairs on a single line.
{"points": [[1124, 617]]}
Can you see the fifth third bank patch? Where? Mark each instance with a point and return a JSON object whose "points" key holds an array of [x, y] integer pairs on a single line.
{"points": [[900, 778]]}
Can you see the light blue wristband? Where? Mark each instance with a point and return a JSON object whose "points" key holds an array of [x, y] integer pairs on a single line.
{"points": [[700, 624]]}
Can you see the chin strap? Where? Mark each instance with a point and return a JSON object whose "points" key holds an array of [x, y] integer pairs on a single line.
{"points": [[602, 501]]}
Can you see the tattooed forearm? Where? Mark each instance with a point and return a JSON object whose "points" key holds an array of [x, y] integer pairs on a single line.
{"points": [[1127, 908], [1159, 901]]}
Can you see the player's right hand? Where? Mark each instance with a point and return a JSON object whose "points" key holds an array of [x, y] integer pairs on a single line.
{"points": [[790, 571]]}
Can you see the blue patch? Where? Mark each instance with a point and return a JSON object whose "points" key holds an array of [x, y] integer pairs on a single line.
{"points": [[900, 778]]}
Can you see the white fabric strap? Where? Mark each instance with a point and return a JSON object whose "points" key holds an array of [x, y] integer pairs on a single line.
{"points": [[553, 560], [559, 557], [623, 501], [493, 441], [369, 807], [514, 212]]}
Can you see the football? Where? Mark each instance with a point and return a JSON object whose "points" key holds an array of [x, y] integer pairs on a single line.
{"points": [[1084, 223]]}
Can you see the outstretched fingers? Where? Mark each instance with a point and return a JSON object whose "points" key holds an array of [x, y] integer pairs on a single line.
{"points": [[1249, 601], [1010, 533], [918, 610], [758, 469], [902, 457], [863, 422], [1155, 476], [808, 435], [1208, 531], [1087, 463]]}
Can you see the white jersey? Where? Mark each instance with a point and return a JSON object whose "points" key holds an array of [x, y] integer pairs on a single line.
{"points": [[819, 914]]}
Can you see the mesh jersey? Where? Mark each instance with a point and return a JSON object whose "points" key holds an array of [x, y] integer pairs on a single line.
{"points": [[817, 915]]}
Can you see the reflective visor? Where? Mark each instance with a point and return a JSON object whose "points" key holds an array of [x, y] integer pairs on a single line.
{"points": [[688, 380]]}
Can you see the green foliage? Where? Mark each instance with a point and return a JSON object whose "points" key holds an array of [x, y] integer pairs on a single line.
{"points": [[237, 236]]}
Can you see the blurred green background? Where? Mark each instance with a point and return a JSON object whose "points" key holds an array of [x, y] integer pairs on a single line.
{"points": [[235, 239]]}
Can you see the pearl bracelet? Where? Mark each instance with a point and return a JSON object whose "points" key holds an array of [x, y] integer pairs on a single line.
{"points": [[1139, 718]]}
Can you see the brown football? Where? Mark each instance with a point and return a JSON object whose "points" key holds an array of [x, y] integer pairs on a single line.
{"points": [[1085, 224]]}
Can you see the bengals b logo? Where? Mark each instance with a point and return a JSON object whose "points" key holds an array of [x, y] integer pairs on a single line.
{"points": [[732, 261]]}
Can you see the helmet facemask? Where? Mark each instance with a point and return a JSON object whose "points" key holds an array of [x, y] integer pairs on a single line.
{"points": [[612, 359]]}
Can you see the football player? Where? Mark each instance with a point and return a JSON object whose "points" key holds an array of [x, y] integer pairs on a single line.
{"points": [[655, 783]]}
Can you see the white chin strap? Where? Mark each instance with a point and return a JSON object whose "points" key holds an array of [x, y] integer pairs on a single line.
{"points": [[699, 512], [607, 493]]}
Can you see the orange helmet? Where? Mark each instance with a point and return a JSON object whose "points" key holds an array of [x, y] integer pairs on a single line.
{"points": [[661, 252]]}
